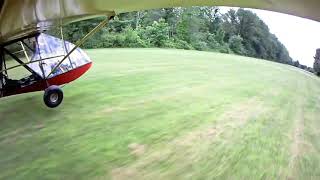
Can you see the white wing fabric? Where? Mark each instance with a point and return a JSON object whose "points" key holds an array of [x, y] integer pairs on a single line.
{"points": [[19, 18]]}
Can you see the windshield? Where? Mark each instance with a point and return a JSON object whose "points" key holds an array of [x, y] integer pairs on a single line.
{"points": [[52, 50]]}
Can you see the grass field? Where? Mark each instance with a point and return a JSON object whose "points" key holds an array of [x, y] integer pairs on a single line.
{"points": [[168, 114]]}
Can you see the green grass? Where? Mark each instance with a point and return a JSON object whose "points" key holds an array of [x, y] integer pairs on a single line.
{"points": [[168, 114]]}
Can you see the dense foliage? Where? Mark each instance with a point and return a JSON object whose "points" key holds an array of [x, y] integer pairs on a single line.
{"points": [[201, 28], [316, 65]]}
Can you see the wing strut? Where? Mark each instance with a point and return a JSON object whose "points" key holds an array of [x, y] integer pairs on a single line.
{"points": [[1, 73], [81, 41], [24, 51]]}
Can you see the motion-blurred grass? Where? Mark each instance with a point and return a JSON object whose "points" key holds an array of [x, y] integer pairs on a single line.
{"points": [[168, 114]]}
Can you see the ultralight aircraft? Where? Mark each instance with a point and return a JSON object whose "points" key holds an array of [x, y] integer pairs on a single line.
{"points": [[53, 62]]}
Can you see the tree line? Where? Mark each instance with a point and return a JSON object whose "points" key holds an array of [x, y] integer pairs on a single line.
{"points": [[239, 32], [316, 65]]}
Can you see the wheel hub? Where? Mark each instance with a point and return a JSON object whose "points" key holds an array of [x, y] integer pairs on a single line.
{"points": [[54, 97]]}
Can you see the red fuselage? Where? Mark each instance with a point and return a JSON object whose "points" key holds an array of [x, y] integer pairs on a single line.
{"points": [[58, 80]]}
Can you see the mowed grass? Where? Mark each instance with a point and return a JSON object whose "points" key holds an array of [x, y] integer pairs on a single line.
{"points": [[168, 114]]}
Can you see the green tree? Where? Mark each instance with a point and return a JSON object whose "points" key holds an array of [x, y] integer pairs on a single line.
{"points": [[202, 28], [157, 34], [316, 65], [235, 44]]}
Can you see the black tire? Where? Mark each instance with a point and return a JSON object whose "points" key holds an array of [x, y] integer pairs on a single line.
{"points": [[53, 96]]}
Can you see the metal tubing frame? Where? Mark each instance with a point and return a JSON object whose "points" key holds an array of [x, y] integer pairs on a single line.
{"points": [[34, 34], [20, 62], [81, 41], [13, 67], [41, 60], [24, 51], [27, 45], [1, 74], [1, 61], [65, 49], [4, 63]]}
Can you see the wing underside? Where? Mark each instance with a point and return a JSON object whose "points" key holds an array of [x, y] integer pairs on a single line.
{"points": [[19, 18]]}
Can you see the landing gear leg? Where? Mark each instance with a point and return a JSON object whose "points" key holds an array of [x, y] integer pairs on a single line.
{"points": [[53, 96]]}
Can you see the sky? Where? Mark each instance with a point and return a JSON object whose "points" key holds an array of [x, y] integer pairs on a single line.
{"points": [[300, 36]]}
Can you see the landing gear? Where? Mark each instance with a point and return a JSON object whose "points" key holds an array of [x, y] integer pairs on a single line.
{"points": [[53, 96]]}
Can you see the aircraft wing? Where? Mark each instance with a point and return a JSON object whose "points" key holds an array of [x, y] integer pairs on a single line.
{"points": [[19, 18]]}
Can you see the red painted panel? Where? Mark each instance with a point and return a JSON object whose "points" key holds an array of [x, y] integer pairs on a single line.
{"points": [[61, 79]]}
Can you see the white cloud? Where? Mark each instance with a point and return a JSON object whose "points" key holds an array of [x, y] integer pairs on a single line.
{"points": [[300, 36]]}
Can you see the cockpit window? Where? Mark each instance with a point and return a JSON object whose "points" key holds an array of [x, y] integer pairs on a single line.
{"points": [[51, 51]]}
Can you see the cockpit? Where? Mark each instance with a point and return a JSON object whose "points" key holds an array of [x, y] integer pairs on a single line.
{"points": [[43, 56]]}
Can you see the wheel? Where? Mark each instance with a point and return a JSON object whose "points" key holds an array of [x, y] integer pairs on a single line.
{"points": [[53, 96]]}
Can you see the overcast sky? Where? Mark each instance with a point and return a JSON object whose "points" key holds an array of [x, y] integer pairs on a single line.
{"points": [[300, 36]]}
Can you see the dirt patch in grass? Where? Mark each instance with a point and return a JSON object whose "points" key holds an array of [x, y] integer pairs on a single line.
{"points": [[187, 149], [241, 113], [137, 149], [299, 145], [122, 174], [114, 109], [297, 140], [166, 95], [39, 126], [234, 118], [12, 136]]}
